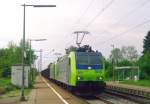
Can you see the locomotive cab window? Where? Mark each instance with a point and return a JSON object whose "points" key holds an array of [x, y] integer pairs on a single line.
{"points": [[85, 59]]}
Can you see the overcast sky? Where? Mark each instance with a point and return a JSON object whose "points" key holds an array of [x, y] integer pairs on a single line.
{"points": [[118, 22]]}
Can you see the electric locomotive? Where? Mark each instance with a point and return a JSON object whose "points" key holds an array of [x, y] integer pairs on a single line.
{"points": [[81, 69]]}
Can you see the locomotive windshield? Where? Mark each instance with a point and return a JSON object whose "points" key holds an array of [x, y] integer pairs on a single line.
{"points": [[88, 58]]}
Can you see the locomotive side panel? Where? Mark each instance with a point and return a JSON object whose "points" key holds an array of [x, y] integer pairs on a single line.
{"points": [[63, 72], [52, 71]]}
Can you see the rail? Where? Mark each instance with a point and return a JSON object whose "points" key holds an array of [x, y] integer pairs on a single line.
{"points": [[138, 95], [132, 91]]}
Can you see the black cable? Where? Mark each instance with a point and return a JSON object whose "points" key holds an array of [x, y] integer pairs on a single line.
{"points": [[114, 37], [79, 19], [132, 12], [99, 13]]}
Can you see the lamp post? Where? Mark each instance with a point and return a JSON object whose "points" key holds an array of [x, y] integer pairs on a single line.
{"points": [[41, 58], [41, 51], [113, 62], [30, 58], [23, 44]]}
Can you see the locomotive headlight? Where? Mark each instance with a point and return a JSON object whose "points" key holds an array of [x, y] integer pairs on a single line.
{"points": [[89, 67]]}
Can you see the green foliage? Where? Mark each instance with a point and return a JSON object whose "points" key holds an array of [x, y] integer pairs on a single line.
{"points": [[28, 51], [146, 42], [144, 63], [10, 87], [125, 63], [116, 55], [108, 69], [126, 56], [129, 53], [13, 55], [4, 84], [1, 71], [2, 90], [6, 72], [8, 57], [9, 90], [15, 93]]}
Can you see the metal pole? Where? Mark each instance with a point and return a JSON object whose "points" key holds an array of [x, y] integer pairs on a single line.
{"points": [[40, 60], [118, 74], [23, 52], [113, 64], [23, 44], [77, 41], [38, 66], [31, 72], [138, 73]]}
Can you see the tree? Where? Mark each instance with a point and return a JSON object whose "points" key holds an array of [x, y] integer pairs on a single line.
{"points": [[108, 69], [126, 53], [144, 61], [129, 53], [116, 55], [13, 55], [146, 42], [27, 51]]}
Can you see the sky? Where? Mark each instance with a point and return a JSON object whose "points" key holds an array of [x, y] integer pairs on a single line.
{"points": [[118, 22]]}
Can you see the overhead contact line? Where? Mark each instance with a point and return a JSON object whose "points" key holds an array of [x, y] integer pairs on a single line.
{"points": [[125, 32], [100, 13]]}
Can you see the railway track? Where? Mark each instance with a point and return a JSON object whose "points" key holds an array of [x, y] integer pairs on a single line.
{"points": [[112, 97], [106, 98], [136, 99], [98, 100], [132, 90]]}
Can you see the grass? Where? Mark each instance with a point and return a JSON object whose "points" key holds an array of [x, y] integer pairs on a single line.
{"points": [[4, 82], [145, 83], [9, 90], [15, 93], [5, 85]]}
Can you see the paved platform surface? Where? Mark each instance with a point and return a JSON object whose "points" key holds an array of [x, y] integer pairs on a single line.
{"points": [[10, 100], [147, 89], [42, 94]]}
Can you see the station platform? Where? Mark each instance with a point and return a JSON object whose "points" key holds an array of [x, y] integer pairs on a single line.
{"points": [[117, 84], [46, 92], [42, 94]]}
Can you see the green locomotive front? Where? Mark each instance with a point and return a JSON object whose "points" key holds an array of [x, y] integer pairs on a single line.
{"points": [[80, 70]]}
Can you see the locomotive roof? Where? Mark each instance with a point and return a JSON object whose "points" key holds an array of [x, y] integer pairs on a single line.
{"points": [[84, 48]]}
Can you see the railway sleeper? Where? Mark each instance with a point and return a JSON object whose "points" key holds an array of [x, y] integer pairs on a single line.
{"points": [[129, 91]]}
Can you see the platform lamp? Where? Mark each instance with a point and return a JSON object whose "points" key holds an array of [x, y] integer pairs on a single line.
{"points": [[23, 44], [30, 58]]}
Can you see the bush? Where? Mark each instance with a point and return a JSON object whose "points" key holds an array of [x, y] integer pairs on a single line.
{"points": [[2, 90], [144, 63], [6, 72], [1, 71], [10, 87], [125, 63], [5, 85]]}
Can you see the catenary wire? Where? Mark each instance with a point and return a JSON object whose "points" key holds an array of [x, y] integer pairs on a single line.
{"points": [[132, 12], [100, 13], [125, 32]]}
